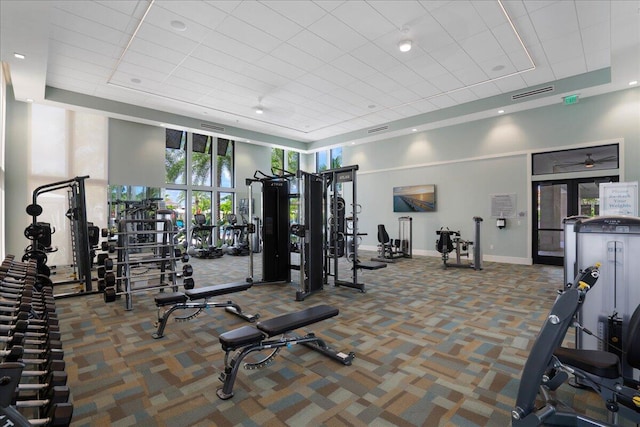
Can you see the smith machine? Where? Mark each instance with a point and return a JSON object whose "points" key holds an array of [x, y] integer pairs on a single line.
{"points": [[318, 241]]}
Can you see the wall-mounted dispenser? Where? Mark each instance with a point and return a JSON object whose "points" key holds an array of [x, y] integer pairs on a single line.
{"points": [[501, 223]]}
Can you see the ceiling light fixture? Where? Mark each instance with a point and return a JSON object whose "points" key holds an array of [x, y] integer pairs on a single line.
{"points": [[259, 110], [589, 162], [19, 55], [178, 25], [500, 111], [404, 45], [633, 83], [29, 100], [414, 130]]}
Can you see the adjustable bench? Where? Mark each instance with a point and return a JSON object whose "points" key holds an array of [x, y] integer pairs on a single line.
{"points": [[248, 339], [198, 299]]}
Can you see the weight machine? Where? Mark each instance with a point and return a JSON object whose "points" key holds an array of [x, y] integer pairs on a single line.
{"points": [[449, 241], [342, 230], [391, 249], [84, 236]]}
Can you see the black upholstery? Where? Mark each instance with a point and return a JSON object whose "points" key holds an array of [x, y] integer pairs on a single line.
{"points": [[240, 337], [444, 244], [602, 363], [383, 236], [289, 322], [367, 265], [215, 290], [170, 298]]}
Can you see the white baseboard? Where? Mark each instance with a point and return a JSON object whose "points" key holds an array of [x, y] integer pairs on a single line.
{"points": [[487, 258]]}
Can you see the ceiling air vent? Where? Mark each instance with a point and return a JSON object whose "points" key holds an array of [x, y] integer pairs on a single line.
{"points": [[378, 129], [533, 92], [215, 128]]}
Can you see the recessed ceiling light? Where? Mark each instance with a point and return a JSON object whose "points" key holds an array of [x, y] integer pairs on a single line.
{"points": [[633, 83], [29, 100], [19, 55], [178, 25], [500, 111], [404, 45], [259, 110], [371, 106], [164, 125], [498, 68], [353, 143], [136, 80], [414, 130]]}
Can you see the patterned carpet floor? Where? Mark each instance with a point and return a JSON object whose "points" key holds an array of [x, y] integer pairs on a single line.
{"points": [[433, 347]]}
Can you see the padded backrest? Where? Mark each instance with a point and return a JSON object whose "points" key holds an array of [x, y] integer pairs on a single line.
{"points": [[444, 244], [200, 219], [633, 339], [383, 236]]}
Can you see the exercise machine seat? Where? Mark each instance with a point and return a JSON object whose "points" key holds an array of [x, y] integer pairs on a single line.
{"points": [[445, 244], [596, 362], [383, 236], [289, 322], [240, 337], [603, 363]]}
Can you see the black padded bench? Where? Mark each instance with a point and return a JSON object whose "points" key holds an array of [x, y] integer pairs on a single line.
{"points": [[198, 299], [248, 339], [368, 265]]}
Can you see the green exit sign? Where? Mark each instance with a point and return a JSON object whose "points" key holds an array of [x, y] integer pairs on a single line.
{"points": [[570, 99]]}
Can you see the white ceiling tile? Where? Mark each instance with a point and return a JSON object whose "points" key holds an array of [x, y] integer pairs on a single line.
{"points": [[73, 66], [353, 66], [533, 5], [425, 89], [569, 67], [593, 12], [482, 47], [304, 13], [335, 75], [85, 56], [278, 66], [227, 6], [510, 84], [388, 115], [337, 33], [555, 20], [426, 66], [223, 43], [363, 18], [446, 82], [303, 90], [453, 57], [329, 5], [315, 45], [463, 96], [470, 75], [296, 57], [266, 19], [497, 67], [160, 66], [597, 59], [429, 35], [103, 17], [490, 13], [443, 101], [318, 83], [486, 90], [166, 38], [404, 75], [71, 38], [156, 51], [407, 110], [382, 82], [200, 12], [459, 19], [142, 73], [593, 37], [507, 38], [402, 13], [568, 46], [125, 7], [515, 8], [372, 55], [248, 34], [423, 106], [405, 95], [542, 74], [162, 19], [204, 81]]}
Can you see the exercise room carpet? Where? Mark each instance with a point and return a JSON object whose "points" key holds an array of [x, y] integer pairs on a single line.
{"points": [[433, 347]]}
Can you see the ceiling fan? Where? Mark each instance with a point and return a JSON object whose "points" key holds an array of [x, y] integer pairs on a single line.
{"points": [[589, 161]]}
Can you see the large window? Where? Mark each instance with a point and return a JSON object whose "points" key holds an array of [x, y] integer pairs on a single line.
{"points": [[194, 181], [280, 156]]}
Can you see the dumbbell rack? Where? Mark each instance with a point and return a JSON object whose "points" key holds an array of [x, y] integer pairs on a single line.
{"points": [[33, 388], [133, 251]]}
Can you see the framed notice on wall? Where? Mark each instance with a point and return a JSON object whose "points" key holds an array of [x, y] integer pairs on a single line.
{"points": [[619, 198], [503, 205]]}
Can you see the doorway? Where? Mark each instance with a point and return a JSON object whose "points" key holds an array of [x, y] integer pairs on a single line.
{"points": [[554, 200]]}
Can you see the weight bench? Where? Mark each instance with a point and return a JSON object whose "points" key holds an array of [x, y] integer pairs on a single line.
{"points": [[190, 299], [369, 265], [248, 339]]}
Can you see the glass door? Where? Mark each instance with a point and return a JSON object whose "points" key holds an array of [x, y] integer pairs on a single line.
{"points": [[551, 208], [552, 202]]}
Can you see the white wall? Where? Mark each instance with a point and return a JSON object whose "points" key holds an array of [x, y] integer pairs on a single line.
{"points": [[466, 163], [136, 154]]}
